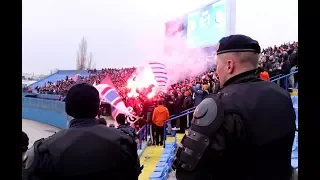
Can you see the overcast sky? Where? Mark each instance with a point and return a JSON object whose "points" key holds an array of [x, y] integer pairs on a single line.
{"points": [[120, 33]]}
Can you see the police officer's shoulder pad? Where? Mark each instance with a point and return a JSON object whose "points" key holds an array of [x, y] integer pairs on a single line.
{"points": [[30, 157], [237, 43], [208, 107]]}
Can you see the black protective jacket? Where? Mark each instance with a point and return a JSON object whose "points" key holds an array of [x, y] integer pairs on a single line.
{"points": [[86, 150], [254, 141]]}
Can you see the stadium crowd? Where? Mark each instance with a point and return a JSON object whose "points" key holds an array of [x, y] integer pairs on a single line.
{"points": [[182, 95], [277, 60]]}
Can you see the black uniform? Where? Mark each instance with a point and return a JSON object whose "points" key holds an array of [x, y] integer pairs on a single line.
{"points": [[243, 132], [86, 150], [24, 148]]}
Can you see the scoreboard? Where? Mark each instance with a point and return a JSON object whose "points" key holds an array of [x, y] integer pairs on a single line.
{"points": [[206, 26], [202, 28]]}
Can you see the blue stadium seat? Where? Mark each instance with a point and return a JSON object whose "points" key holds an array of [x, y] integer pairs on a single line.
{"points": [[170, 161], [161, 168], [160, 172], [157, 176], [168, 150], [165, 156], [297, 122], [161, 164], [294, 163], [295, 101], [163, 159], [168, 144], [294, 154], [158, 169], [295, 106]]}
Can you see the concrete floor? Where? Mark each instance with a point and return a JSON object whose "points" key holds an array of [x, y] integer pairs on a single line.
{"points": [[37, 130]]}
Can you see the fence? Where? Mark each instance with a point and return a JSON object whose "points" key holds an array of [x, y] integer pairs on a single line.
{"points": [[184, 113], [285, 78]]}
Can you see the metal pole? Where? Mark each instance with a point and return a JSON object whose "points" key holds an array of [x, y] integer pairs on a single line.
{"points": [[188, 119]]}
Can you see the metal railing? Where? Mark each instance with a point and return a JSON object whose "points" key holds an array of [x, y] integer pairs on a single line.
{"points": [[143, 135], [183, 113], [274, 77], [285, 77], [144, 132]]}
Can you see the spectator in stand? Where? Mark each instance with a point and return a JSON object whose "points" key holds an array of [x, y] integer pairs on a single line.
{"points": [[102, 121], [159, 116], [264, 75], [198, 93], [205, 90], [187, 104], [125, 127], [178, 102], [281, 60]]}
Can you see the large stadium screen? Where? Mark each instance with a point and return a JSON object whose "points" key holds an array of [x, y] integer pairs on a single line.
{"points": [[206, 26]]}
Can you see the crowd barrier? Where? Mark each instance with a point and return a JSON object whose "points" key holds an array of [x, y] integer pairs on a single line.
{"points": [[284, 78]]}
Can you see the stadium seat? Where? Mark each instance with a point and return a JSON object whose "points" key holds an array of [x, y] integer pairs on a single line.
{"points": [[294, 154], [297, 122], [165, 156], [168, 144], [157, 176], [295, 106], [294, 163], [161, 164], [163, 159], [169, 150], [161, 171]]}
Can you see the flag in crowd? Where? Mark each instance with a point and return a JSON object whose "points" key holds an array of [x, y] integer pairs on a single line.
{"points": [[107, 80], [75, 77], [159, 71], [110, 95], [175, 33], [174, 27]]}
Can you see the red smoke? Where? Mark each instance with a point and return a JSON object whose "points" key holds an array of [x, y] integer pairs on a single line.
{"points": [[142, 78]]}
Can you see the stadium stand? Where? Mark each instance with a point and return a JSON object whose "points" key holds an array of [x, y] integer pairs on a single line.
{"points": [[280, 62]]}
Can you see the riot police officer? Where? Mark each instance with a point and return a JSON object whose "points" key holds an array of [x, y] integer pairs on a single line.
{"points": [[24, 148], [243, 132], [86, 150]]}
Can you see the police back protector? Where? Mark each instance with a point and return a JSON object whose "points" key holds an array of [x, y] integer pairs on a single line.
{"points": [[207, 118]]}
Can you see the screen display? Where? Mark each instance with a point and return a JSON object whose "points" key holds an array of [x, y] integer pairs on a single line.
{"points": [[207, 25]]}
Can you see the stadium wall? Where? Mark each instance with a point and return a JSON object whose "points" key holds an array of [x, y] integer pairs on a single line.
{"points": [[52, 113], [45, 111]]}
